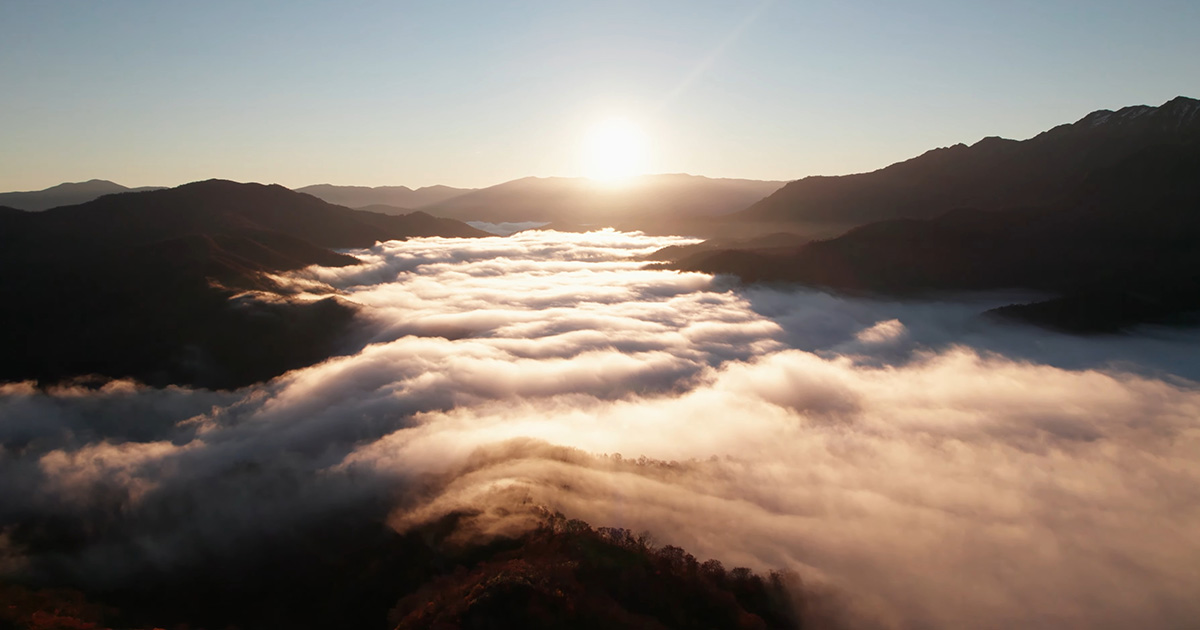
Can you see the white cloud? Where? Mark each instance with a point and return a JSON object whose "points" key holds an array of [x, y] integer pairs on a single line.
{"points": [[504, 229], [941, 469], [883, 332]]}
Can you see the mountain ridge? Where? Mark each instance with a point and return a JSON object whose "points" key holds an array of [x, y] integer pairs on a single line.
{"points": [[64, 194], [641, 200], [1116, 248], [151, 285], [993, 173], [399, 196]]}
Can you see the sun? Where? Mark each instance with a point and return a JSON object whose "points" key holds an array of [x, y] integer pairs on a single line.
{"points": [[614, 150]]}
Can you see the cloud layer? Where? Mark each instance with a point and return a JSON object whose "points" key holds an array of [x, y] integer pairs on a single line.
{"points": [[942, 470]]}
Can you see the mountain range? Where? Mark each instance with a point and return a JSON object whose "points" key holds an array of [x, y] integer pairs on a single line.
{"points": [[992, 174], [1102, 215], [64, 194], [642, 201], [394, 196], [673, 202], [150, 285]]}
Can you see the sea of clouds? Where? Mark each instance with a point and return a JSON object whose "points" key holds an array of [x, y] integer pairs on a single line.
{"points": [[941, 469]]}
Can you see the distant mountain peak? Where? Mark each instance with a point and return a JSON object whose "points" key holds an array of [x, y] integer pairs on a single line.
{"points": [[993, 142], [1105, 116], [102, 184], [65, 194], [1176, 114], [397, 196], [216, 183], [1184, 109], [1183, 102]]}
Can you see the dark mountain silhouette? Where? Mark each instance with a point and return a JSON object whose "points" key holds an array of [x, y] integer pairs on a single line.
{"points": [[143, 285], [417, 224], [352, 571], [568, 575], [644, 200], [382, 208], [65, 194], [219, 206], [769, 243], [993, 173], [397, 196], [1122, 248]]}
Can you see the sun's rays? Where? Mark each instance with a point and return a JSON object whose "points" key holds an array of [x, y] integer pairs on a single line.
{"points": [[613, 150]]}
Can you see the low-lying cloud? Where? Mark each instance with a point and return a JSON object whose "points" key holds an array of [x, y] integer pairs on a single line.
{"points": [[506, 228], [941, 469]]}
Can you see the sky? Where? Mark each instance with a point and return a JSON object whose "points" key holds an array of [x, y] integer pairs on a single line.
{"points": [[473, 94]]}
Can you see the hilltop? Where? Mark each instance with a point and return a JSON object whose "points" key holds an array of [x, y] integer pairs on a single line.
{"points": [[149, 285]]}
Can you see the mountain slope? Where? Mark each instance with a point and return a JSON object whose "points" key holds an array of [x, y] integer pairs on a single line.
{"points": [[214, 206], [349, 570], [1123, 248], [418, 223], [383, 208], [142, 284], [567, 575], [993, 173], [64, 195], [644, 199], [400, 196]]}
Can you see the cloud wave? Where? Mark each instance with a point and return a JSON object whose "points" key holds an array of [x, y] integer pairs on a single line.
{"points": [[942, 470]]}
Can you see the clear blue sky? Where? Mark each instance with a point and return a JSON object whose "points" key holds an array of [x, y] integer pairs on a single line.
{"points": [[476, 93]]}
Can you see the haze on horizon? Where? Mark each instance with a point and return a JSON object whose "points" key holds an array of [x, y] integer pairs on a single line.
{"points": [[474, 94]]}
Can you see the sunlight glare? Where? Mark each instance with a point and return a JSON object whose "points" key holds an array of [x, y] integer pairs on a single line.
{"points": [[614, 150]]}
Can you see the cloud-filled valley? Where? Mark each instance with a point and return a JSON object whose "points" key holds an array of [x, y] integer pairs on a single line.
{"points": [[933, 467]]}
